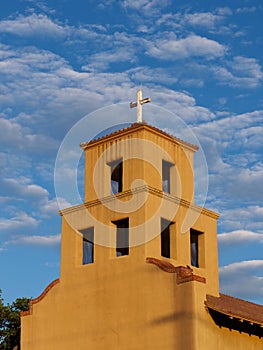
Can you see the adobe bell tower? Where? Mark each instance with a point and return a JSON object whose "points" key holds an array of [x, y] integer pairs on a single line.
{"points": [[138, 257], [125, 248]]}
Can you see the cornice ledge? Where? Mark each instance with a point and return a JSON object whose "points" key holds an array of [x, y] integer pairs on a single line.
{"points": [[141, 189]]}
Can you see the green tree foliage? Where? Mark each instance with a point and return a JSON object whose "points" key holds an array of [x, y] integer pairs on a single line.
{"points": [[10, 322]]}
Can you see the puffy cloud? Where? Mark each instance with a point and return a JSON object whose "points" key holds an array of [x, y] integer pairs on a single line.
{"points": [[250, 181], [10, 131], [240, 237], [220, 130], [21, 138], [205, 20], [246, 9], [22, 188], [35, 24], [232, 146], [202, 19], [240, 184], [224, 11], [54, 88], [148, 7], [232, 143], [247, 265], [192, 46], [50, 240], [147, 75], [247, 218], [6, 52], [243, 279], [240, 72], [19, 222], [101, 61]]}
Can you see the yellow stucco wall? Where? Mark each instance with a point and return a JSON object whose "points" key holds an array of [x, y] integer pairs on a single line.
{"points": [[125, 302]]}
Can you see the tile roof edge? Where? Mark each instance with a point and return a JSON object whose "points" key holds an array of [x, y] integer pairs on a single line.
{"points": [[235, 307], [134, 126]]}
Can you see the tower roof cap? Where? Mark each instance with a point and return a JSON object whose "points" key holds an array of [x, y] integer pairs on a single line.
{"points": [[135, 127]]}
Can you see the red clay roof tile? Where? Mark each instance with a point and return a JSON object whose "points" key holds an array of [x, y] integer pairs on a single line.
{"points": [[236, 307]]}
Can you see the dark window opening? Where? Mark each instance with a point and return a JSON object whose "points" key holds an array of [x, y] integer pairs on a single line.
{"points": [[122, 237], [165, 238], [88, 245], [116, 176], [166, 176], [194, 247]]}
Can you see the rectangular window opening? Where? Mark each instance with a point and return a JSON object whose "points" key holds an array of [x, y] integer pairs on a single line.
{"points": [[194, 247], [166, 176], [122, 237], [116, 176], [165, 238], [88, 245]]}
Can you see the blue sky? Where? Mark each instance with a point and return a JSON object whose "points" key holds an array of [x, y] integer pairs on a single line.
{"points": [[61, 60]]}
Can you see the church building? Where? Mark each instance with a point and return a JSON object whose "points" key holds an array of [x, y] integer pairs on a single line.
{"points": [[139, 259]]}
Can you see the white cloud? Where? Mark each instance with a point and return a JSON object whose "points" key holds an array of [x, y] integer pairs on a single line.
{"points": [[247, 218], [233, 147], [14, 135], [230, 143], [242, 72], [171, 48], [30, 195], [35, 24], [10, 131], [233, 179], [17, 223], [147, 75], [6, 52], [246, 66], [202, 19], [54, 89], [42, 6], [228, 78], [224, 11], [22, 188], [41, 26], [197, 82], [219, 129], [20, 62], [169, 20], [182, 104], [210, 21], [50, 240], [101, 61], [246, 9], [148, 7], [243, 279], [5, 199], [239, 266], [240, 237], [250, 181]]}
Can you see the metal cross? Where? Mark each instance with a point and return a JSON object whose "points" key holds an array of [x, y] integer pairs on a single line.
{"points": [[138, 104]]}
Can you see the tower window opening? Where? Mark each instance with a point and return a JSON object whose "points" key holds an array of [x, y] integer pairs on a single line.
{"points": [[166, 176], [116, 176], [88, 245], [195, 247], [165, 238], [122, 237]]}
